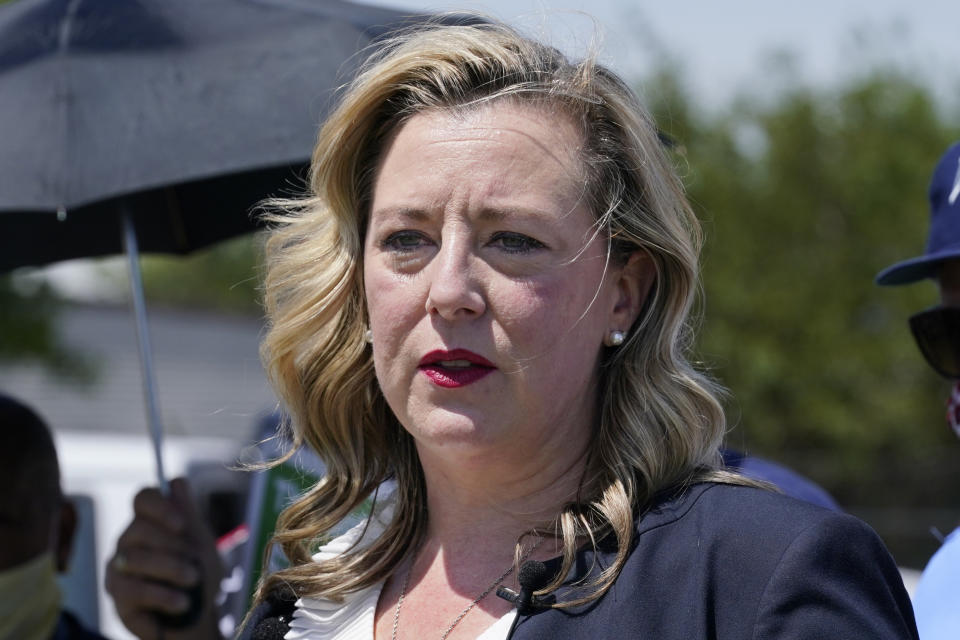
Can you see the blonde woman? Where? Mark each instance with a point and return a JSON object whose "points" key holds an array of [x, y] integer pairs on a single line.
{"points": [[478, 320]]}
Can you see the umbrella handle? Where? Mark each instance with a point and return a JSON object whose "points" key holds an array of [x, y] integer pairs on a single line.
{"points": [[143, 340], [195, 594]]}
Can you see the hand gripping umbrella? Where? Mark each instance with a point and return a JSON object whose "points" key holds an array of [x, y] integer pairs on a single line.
{"points": [[166, 118]]}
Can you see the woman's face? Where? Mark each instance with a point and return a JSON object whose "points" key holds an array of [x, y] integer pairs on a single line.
{"points": [[488, 287]]}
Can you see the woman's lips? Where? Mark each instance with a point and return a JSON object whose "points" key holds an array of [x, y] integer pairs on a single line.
{"points": [[456, 368]]}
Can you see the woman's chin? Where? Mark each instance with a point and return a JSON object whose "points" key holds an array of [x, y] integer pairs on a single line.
{"points": [[453, 433]]}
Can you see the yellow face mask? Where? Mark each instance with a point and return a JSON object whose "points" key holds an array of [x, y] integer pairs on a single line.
{"points": [[29, 599]]}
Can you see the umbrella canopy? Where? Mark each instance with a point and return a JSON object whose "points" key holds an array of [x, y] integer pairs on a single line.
{"points": [[184, 113]]}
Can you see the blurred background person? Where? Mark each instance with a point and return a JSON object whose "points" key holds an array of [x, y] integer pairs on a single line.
{"points": [[937, 332], [37, 525]]}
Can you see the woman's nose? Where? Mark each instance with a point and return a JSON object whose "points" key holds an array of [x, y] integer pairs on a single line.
{"points": [[455, 291]]}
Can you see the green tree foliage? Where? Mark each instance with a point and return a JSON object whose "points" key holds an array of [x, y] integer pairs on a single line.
{"points": [[225, 277], [804, 199], [28, 317]]}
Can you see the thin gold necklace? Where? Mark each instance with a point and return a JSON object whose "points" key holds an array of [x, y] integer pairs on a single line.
{"points": [[469, 607]]}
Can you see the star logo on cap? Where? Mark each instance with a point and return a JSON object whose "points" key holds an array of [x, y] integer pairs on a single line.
{"points": [[955, 192]]}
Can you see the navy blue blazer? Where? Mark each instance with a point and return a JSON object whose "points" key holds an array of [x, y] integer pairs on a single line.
{"points": [[722, 562], [736, 563]]}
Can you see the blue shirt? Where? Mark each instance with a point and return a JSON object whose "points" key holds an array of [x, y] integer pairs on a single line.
{"points": [[936, 602]]}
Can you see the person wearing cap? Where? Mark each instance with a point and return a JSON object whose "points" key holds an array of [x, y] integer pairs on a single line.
{"points": [[937, 332]]}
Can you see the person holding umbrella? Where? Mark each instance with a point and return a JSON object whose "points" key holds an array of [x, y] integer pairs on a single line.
{"points": [[937, 332], [478, 319]]}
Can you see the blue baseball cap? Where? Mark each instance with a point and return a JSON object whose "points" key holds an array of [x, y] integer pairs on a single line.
{"points": [[943, 242]]}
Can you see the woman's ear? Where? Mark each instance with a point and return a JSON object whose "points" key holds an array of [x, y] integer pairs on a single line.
{"points": [[66, 528], [633, 286]]}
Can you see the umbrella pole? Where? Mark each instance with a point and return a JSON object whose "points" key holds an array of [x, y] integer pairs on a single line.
{"points": [[143, 339]]}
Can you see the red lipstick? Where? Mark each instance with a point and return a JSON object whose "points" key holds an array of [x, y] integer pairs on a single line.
{"points": [[455, 368]]}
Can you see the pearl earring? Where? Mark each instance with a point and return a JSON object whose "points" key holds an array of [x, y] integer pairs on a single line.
{"points": [[615, 338], [368, 336]]}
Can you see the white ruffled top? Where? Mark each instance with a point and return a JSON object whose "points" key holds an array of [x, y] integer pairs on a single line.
{"points": [[353, 619]]}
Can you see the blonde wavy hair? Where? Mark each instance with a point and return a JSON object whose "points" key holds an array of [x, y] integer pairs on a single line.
{"points": [[660, 424]]}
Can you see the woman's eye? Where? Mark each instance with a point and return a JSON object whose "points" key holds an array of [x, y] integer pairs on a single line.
{"points": [[405, 241], [515, 242]]}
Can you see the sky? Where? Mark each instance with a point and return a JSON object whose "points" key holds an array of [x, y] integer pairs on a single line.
{"points": [[722, 45]]}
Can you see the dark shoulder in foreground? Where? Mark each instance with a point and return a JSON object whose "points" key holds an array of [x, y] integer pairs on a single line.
{"points": [[69, 628], [719, 561]]}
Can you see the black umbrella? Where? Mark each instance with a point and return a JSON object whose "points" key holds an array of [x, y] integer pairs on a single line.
{"points": [[170, 118], [186, 112]]}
